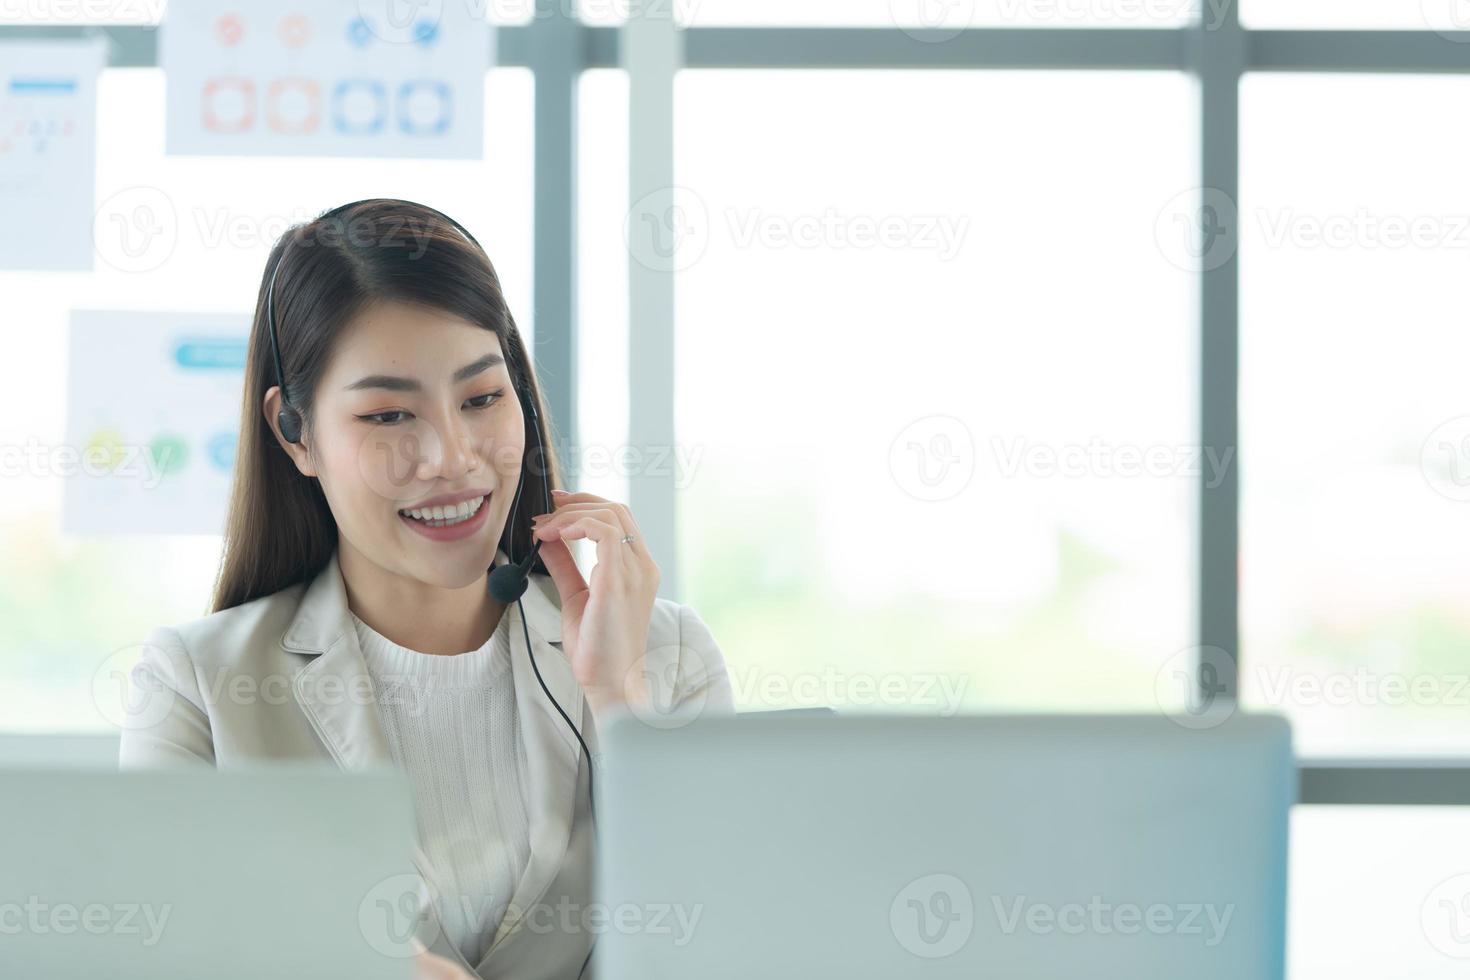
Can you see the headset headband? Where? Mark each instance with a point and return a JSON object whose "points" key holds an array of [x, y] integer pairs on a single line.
{"points": [[270, 293]]}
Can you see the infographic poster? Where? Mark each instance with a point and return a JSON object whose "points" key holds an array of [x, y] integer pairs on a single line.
{"points": [[48, 152], [152, 417], [339, 78]]}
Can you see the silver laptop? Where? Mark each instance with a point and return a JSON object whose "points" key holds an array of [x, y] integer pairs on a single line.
{"points": [[291, 870], [1055, 847]]}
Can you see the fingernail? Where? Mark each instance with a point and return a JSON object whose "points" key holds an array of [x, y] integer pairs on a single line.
{"points": [[560, 493]]}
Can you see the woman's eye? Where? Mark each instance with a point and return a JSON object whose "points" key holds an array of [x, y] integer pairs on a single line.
{"points": [[398, 415], [384, 418], [485, 400]]}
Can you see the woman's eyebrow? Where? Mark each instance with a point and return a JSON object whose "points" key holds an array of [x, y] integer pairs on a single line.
{"points": [[393, 383]]}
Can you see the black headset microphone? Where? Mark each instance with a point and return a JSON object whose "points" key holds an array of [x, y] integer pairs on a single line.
{"points": [[508, 582]]}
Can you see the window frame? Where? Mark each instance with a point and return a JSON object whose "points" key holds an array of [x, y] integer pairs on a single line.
{"points": [[558, 48]]}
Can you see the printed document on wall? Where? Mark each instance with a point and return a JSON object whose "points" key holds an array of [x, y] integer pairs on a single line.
{"points": [[152, 418], [48, 152], [334, 78]]}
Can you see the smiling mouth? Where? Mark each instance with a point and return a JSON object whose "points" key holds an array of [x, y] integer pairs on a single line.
{"points": [[445, 516]]}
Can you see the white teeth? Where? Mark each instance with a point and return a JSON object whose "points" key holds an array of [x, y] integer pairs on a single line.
{"points": [[445, 516]]}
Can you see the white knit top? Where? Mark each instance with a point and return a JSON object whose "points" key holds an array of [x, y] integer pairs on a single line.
{"points": [[452, 724]]}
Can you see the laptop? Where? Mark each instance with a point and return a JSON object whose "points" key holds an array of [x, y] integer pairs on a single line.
{"points": [[863, 846], [285, 869]]}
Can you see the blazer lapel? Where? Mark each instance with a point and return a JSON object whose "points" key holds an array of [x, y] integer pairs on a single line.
{"points": [[552, 752], [334, 688], [335, 691]]}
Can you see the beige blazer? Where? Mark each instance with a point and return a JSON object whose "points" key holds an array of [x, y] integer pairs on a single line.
{"points": [[275, 678]]}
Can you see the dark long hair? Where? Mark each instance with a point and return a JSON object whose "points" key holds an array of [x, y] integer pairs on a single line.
{"points": [[280, 530]]}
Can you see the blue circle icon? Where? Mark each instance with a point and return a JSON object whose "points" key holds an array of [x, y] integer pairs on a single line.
{"points": [[221, 451], [425, 32], [359, 32]]}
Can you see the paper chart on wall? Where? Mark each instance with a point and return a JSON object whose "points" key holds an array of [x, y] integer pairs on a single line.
{"points": [[346, 78], [152, 421], [48, 147]]}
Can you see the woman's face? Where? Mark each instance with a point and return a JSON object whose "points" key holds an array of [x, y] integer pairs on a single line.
{"points": [[415, 406]]}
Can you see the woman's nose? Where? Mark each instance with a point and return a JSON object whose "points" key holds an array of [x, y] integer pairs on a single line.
{"points": [[452, 451]]}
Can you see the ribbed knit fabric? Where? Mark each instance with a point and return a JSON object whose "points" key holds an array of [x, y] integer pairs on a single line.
{"points": [[452, 724]]}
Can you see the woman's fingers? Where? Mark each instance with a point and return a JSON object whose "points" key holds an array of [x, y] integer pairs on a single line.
{"points": [[612, 514], [606, 523], [588, 501], [572, 510], [564, 517], [607, 538], [565, 574]]}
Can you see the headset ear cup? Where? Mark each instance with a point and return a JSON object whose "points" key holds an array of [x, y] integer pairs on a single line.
{"points": [[290, 423]]}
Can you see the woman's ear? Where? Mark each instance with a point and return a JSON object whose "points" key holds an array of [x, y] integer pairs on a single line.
{"points": [[298, 451]]}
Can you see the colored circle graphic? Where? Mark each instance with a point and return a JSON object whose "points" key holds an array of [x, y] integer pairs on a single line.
{"points": [[104, 450], [170, 453], [294, 31], [221, 451], [230, 30]]}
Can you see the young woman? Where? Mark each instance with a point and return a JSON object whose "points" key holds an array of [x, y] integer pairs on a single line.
{"points": [[404, 458]]}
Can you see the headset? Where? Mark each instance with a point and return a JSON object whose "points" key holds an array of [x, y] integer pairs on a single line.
{"points": [[508, 582]]}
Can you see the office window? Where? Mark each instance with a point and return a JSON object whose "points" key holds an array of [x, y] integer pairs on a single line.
{"points": [[68, 603], [1407, 15], [1371, 894], [941, 16], [1355, 512], [936, 384], [602, 299]]}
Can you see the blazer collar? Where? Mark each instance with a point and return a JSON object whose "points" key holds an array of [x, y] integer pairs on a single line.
{"points": [[350, 725]]}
